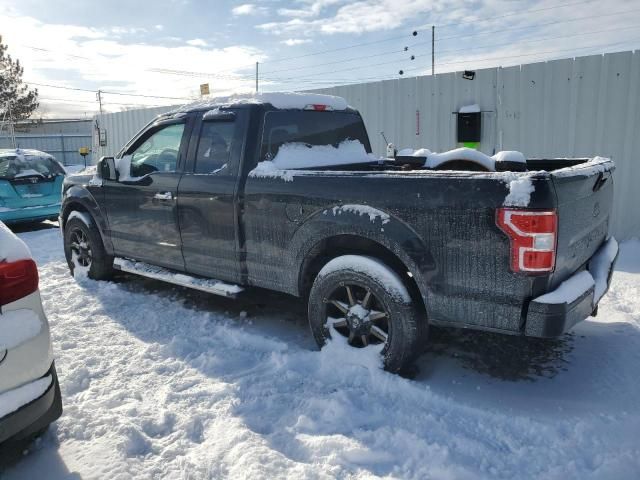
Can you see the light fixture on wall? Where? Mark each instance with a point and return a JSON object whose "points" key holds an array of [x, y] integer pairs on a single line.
{"points": [[468, 74]]}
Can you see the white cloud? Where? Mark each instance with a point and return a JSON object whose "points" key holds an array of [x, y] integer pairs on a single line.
{"points": [[248, 9], [91, 58], [197, 42], [291, 42]]}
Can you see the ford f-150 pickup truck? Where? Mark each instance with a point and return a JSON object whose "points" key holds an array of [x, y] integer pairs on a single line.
{"points": [[282, 192]]}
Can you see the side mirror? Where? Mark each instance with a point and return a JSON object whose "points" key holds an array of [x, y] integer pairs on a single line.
{"points": [[107, 169]]}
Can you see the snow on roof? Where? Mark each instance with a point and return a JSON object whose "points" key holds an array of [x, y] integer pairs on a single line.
{"points": [[475, 108], [18, 152], [280, 100], [11, 247]]}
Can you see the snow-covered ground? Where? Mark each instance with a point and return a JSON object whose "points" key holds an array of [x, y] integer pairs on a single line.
{"points": [[162, 382]]}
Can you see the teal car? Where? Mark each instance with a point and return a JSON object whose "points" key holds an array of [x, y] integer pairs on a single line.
{"points": [[30, 186]]}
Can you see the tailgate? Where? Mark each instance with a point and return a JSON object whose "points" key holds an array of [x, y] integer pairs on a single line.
{"points": [[30, 191], [585, 198]]}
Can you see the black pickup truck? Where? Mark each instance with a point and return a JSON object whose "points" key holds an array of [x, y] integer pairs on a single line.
{"points": [[261, 192]]}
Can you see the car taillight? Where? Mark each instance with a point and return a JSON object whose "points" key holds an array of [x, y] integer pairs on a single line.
{"points": [[533, 235], [17, 280]]}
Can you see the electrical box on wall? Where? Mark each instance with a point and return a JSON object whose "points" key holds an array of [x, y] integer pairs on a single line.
{"points": [[469, 127]]}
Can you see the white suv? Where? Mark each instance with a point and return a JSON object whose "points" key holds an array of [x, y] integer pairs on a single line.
{"points": [[29, 391]]}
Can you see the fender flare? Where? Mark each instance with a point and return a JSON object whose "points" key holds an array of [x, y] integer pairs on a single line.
{"points": [[372, 224]]}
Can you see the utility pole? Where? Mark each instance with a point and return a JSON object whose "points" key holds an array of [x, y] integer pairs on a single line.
{"points": [[99, 98], [433, 50], [256, 77]]}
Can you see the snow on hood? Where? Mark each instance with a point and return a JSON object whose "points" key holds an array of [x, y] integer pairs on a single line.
{"points": [[11, 247], [280, 100]]}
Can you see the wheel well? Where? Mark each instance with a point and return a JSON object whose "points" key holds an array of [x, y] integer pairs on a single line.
{"points": [[70, 208], [333, 247]]}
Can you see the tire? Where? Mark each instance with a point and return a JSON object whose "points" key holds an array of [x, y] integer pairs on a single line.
{"points": [[364, 288], [100, 265]]}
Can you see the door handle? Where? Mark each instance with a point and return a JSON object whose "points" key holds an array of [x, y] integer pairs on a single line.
{"points": [[163, 196]]}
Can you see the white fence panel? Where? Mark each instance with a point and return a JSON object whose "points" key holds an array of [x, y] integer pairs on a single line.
{"points": [[563, 108]]}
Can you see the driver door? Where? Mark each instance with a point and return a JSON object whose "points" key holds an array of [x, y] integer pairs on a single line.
{"points": [[142, 205]]}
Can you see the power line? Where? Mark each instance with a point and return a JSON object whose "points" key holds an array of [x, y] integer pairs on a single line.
{"points": [[202, 74], [107, 92], [467, 48], [395, 77]]}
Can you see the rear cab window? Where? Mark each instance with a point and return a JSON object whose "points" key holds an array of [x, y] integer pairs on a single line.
{"points": [[18, 166], [311, 128]]}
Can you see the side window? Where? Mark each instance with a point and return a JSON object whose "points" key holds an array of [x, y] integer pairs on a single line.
{"points": [[158, 153], [214, 146]]}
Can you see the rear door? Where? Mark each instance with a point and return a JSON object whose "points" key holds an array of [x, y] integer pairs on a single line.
{"points": [[585, 199], [142, 205], [207, 209]]}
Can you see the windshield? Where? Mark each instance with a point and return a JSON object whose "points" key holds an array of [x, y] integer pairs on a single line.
{"points": [[28, 165], [310, 128]]}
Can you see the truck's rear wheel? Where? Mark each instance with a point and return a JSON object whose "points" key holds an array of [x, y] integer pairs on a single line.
{"points": [[84, 250], [365, 301]]}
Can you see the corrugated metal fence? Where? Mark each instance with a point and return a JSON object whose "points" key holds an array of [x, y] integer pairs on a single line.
{"points": [[564, 108], [116, 129], [62, 146]]}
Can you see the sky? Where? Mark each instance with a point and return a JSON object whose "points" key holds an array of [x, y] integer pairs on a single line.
{"points": [[143, 53]]}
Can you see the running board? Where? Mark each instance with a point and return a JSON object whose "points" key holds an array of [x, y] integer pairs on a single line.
{"points": [[159, 273]]}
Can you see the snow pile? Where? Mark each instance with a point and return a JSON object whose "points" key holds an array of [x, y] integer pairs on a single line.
{"points": [[18, 326], [373, 213], [293, 156], [520, 190], [300, 155], [279, 100], [11, 247], [475, 108], [160, 382], [14, 399]]}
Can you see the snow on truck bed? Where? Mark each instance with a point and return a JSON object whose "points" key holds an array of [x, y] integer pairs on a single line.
{"points": [[160, 382]]}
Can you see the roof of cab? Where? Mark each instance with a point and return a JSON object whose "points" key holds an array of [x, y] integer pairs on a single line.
{"points": [[279, 100]]}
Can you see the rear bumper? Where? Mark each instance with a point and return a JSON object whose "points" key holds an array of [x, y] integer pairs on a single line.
{"points": [[30, 214], [555, 313], [35, 415]]}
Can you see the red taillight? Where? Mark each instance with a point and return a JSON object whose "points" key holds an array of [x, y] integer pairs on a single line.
{"points": [[533, 236], [17, 280]]}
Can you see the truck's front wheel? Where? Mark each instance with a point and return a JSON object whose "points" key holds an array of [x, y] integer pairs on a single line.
{"points": [[366, 302], [84, 250]]}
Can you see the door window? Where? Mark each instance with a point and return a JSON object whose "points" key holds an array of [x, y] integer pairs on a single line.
{"points": [[214, 146], [158, 153]]}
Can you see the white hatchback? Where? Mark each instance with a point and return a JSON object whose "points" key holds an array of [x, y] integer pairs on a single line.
{"points": [[29, 391]]}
